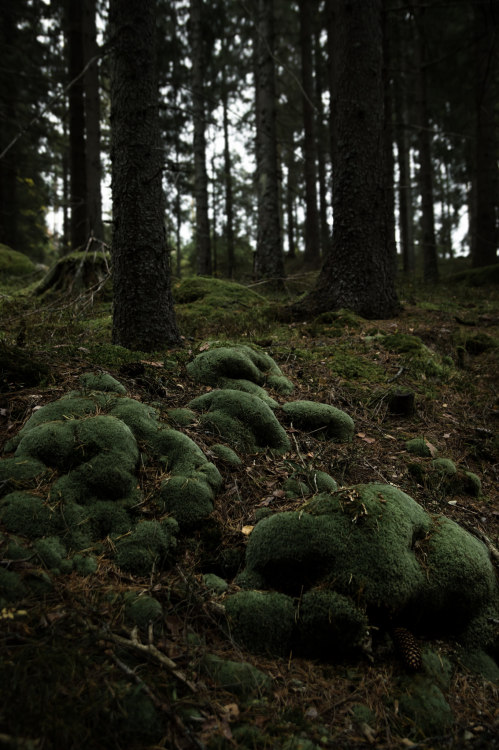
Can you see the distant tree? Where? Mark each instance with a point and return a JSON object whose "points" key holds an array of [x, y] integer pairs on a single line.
{"points": [[486, 184], [425, 174], [143, 313], [358, 272], [269, 261], [92, 123], [76, 94], [199, 63], [307, 11]]}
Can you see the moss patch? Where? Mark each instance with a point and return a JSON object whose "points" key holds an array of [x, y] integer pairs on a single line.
{"points": [[323, 420], [262, 622], [240, 678], [243, 419]]}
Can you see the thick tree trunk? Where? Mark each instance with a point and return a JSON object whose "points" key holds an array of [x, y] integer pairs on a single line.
{"points": [[77, 163], [269, 262], [203, 245], [92, 125], [9, 212], [428, 239], [312, 234], [358, 273], [229, 202], [143, 314], [486, 185]]}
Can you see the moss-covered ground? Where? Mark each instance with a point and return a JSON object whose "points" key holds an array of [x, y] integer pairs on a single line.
{"points": [[95, 653]]}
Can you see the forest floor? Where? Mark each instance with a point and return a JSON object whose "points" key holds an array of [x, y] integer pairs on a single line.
{"points": [[74, 665]]}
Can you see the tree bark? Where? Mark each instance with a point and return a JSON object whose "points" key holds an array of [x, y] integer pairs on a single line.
{"points": [[486, 184], [77, 162], [202, 237], [92, 125], [321, 140], [269, 262], [290, 200], [428, 239], [312, 233], [358, 273], [229, 202], [9, 211], [143, 314]]}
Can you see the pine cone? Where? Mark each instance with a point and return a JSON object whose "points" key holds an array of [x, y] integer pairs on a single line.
{"points": [[408, 648]]}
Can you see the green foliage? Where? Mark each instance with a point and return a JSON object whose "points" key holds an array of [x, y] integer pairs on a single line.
{"points": [[243, 419], [323, 420]]}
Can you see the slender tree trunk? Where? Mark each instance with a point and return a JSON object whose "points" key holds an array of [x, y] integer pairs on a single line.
{"points": [[269, 262], [321, 152], [9, 212], [389, 161], [203, 245], [92, 124], [312, 234], [428, 239], [77, 161], [143, 314], [229, 202], [358, 273], [290, 201], [486, 193]]}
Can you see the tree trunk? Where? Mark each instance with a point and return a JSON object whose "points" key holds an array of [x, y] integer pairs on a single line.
{"points": [[486, 184], [9, 211], [269, 262], [321, 152], [92, 125], [358, 273], [229, 203], [428, 240], [77, 163], [202, 237], [143, 314], [290, 200], [312, 234]]}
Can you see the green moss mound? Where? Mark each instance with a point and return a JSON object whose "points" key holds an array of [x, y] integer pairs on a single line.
{"points": [[207, 289], [78, 272], [323, 420], [148, 546], [20, 368], [142, 610], [101, 381], [241, 368], [240, 678], [384, 555], [226, 454], [329, 625], [477, 276], [262, 622], [20, 474], [13, 263], [419, 446], [243, 419], [423, 703], [29, 515]]}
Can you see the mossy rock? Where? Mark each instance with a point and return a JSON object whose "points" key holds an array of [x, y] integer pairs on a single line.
{"points": [[50, 551], [419, 446], [20, 474], [424, 704], [188, 499], [248, 387], [378, 547], [29, 515], [194, 289], [142, 610], [215, 584], [402, 343], [444, 466], [240, 678], [322, 420], [101, 381], [149, 545], [238, 367], [182, 417], [11, 586], [262, 622], [226, 454], [468, 483], [245, 420], [481, 663], [329, 625], [13, 263]]}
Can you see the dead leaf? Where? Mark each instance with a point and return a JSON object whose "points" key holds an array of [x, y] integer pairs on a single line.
{"points": [[204, 347], [246, 530], [151, 364], [231, 711], [432, 449]]}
